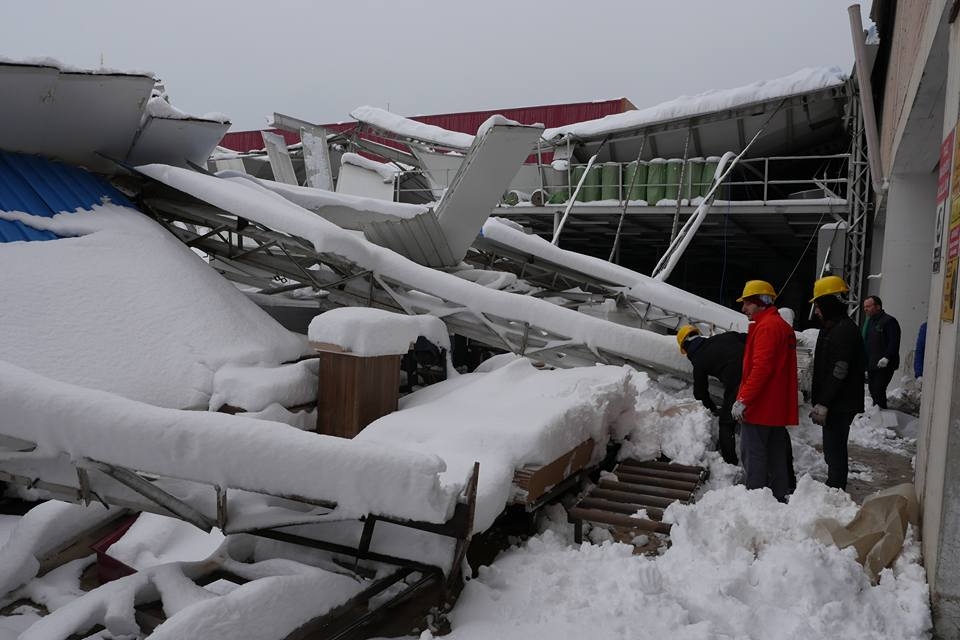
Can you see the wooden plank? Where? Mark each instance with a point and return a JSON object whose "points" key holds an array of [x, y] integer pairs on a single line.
{"points": [[538, 480]]}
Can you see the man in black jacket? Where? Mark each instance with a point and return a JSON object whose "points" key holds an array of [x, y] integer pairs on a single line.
{"points": [[837, 387], [720, 356], [881, 338]]}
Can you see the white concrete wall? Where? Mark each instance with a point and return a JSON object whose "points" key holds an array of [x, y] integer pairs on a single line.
{"points": [[907, 255], [938, 446]]}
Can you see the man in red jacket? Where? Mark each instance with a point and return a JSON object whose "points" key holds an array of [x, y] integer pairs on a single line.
{"points": [[767, 399]]}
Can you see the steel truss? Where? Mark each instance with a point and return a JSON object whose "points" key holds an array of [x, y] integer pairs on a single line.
{"points": [[859, 204], [249, 253]]}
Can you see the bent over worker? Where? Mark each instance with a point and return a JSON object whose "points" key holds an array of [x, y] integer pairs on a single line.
{"points": [[767, 398], [837, 386], [720, 356]]}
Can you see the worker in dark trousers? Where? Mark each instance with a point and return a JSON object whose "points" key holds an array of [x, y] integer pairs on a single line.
{"points": [[767, 399], [881, 339], [720, 356], [837, 387]]}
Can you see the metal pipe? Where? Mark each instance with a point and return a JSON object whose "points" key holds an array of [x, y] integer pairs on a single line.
{"points": [[866, 97]]}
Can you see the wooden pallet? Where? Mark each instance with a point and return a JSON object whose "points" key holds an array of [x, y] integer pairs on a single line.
{"points": [[649, 485]]}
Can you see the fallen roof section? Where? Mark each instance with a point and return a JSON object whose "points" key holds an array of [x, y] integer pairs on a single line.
{"points": [[802, 81]]}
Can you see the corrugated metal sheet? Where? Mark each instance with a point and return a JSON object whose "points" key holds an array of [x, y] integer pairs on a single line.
{"points": [[41, 187]]}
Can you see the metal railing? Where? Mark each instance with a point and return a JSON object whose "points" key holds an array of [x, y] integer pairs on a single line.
{"points": [[757, 180]]}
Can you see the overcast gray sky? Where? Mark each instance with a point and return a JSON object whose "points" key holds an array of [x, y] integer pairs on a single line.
{"points": [[318, 60]]}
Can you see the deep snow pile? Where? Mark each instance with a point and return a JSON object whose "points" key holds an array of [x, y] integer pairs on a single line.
{"points": [[125, 307], [741, 565]]}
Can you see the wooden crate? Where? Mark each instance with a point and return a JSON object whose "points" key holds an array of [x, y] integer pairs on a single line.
{"points": [[355, 390]]}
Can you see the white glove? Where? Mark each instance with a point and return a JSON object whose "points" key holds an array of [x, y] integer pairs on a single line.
{"points": [[737, 410], [882, 363], [819, 414]]}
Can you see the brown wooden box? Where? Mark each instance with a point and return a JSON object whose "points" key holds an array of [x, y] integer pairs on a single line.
{"points": [[354, 391]]}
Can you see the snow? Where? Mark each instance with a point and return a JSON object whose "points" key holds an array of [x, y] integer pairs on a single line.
{"points": [[513, 416], [245, 198], [54, 63], [802, 81], [256, 388], [375, 332], [158, 107], [388, 172], [154, 539], [329, 202], [740, 565], [412, 129], [136, 313], [221, 449], [643, 287]]}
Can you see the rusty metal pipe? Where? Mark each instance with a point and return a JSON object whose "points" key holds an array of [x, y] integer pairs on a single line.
{"points": [[627, 508], [615, 519], [632, 498], [644, 488], [637, 478]]}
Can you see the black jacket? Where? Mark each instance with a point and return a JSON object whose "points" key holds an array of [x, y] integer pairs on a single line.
{"points": [[720, 356], [882, 340], [837, 368]]}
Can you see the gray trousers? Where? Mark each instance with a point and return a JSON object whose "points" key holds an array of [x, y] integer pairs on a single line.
{"points": [[764, 453]]}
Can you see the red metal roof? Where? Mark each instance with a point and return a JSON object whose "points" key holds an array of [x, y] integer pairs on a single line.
{"points": [[554, 115]]}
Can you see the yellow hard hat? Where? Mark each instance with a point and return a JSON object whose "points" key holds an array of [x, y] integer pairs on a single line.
{"points": [[828, 285], [757, 288], [685, 332]]}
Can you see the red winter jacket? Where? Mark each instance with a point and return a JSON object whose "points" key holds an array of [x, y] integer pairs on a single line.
{"points": [[769, 384]]}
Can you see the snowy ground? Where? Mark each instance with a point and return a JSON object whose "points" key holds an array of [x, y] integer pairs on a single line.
{"points": [[740, 564]]}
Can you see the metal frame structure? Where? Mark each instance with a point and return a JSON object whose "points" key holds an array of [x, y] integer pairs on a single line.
{"points": [[249, 253], [859, 204]]}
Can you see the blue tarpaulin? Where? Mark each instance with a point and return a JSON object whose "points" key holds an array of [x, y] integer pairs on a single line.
{"points": [[41, 187]]}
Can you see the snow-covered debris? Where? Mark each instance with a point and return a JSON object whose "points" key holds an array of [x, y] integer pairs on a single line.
{"points": [[158, 107], [636, 284], [412, 129], [154, 540], [224, 450], [375, 332], [44, 529], [250, 201], [388, 172], [256, 388], [342, 209], [802, 81], [126, 308], [510, 417]]}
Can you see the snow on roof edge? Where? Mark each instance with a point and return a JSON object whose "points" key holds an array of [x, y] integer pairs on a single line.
{"points": [[801, 81]]}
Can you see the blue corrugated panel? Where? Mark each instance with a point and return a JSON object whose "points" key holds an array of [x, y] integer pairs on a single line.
{"points": [[41, 187]]}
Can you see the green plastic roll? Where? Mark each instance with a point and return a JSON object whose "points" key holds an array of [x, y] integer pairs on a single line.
{"points": [[590, 191], [674, 167], [706, 175], [691, 178], [559, 197], [637, 186], [576, 172], [510, 198], [610, 181], [656, 179]]}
